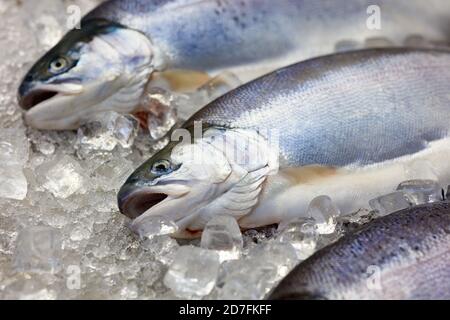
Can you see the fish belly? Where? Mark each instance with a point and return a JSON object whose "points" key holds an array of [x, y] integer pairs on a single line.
{"points": [[287, 196]]}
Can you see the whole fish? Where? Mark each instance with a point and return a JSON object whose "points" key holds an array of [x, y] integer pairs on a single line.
{"points": [[402, 256], [180, 45], [349, 125]]}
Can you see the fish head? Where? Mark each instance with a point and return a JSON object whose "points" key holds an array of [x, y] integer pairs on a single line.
{"points": [[100, 67], [188, 183], [177, 183]]}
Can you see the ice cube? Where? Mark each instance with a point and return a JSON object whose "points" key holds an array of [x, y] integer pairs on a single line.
{"points": [[162, 248], [13, 156], [153, 226], [245, 279], [105, 132], [302, 235], [38, 249], [112, 174], [223, 235], [390, 203], [31, 287], [324, 212], [282, 255], [193, 272], [253, 277], [161, 107], [13, 183], [14, 147], [63, 176], [421, 191]]}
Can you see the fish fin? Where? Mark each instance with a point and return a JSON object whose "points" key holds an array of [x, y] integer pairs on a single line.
{"points": [[179, 80], [237, 202], [220, 84], [307, 174], [187, 81]]}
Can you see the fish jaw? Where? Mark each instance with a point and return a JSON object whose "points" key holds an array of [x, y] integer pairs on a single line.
{"points": [[64, 111], [111, 74]]}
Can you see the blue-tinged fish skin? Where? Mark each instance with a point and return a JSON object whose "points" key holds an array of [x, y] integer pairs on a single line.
{"points": [[405, 255], [213, 34], [127, 46], [356, 108]]}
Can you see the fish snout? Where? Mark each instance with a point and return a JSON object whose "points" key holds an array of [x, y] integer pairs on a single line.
{"points": [[29, 95], [134, 200]]}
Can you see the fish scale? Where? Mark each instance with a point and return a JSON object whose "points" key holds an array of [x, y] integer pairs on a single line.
{"points": [[213, 35], [346, 109], [410, 248], [128, 48]]}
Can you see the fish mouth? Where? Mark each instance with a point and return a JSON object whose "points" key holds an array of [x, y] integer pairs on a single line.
{"points": [[36, 97], [133, 203], [52, 106], [31, 96]]}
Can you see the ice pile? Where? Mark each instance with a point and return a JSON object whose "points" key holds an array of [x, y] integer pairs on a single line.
{"points": [[302, 235], [408, 193], [110, 131], [61, 235], [153, 226], [193, 272], [38, 249]]}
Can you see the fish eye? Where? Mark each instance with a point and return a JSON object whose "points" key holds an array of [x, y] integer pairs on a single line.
{"points": [[161, 166], [58, 65]]}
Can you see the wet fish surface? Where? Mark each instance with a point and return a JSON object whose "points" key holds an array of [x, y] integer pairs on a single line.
{"points": [[181, 45], [347, 125], [405, 255]]}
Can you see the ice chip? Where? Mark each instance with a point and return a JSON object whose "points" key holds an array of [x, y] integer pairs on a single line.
{"points": [[421, 191], [105, 132], [153, 226], [162, 248], [193, 272], [14, 147], [223, 235], [13, 183], [161, 107], [324, 212], [282, 255], [112, 174], [253, 277], [63, 176], [125, 130], [302, 234], [245, 279], [13, 156], [38, 249], [390, 203]]}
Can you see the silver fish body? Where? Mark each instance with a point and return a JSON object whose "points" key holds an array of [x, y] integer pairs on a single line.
{"points": [[405, 255], [357, 108], [226, 34], [348, 125], [181, 45]]}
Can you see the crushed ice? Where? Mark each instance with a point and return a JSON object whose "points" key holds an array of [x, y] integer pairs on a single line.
{"points": [[61, 236]]}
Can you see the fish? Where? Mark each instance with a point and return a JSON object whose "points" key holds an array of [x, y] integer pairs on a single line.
{"points": [[348, 125], [127, 48], [402, 256]]}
